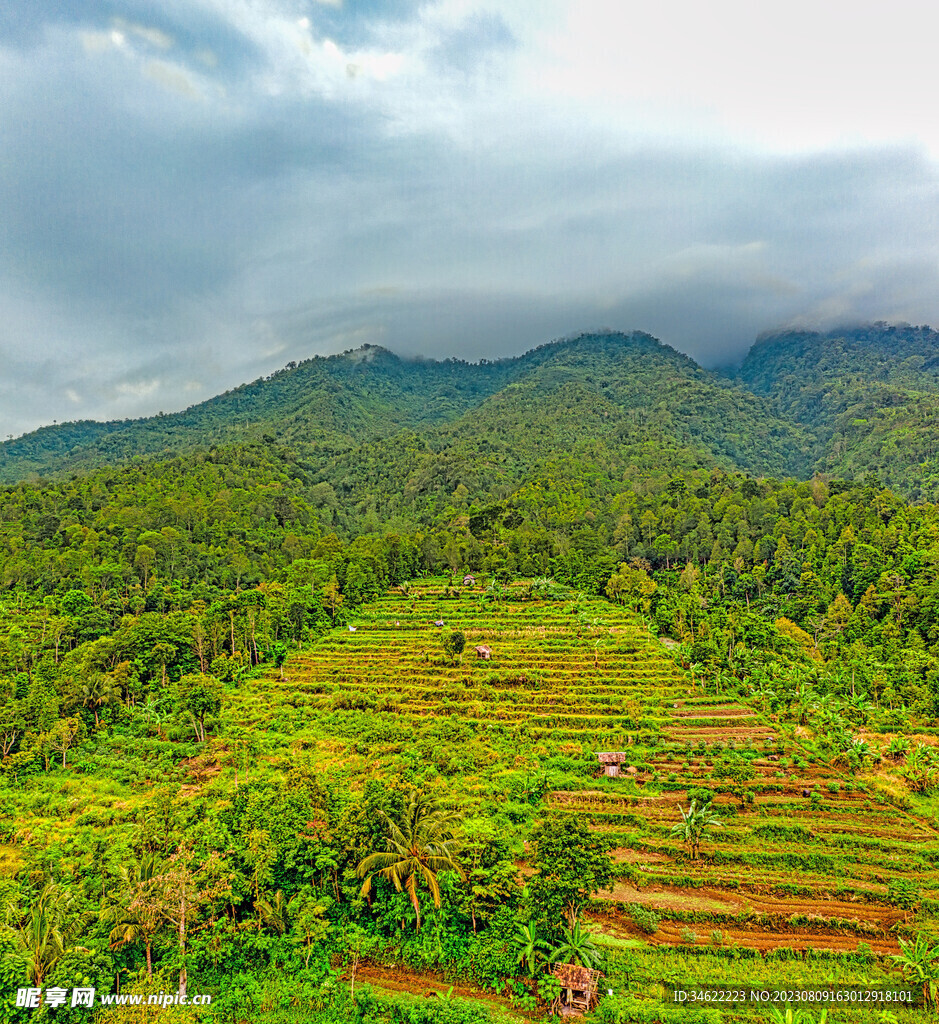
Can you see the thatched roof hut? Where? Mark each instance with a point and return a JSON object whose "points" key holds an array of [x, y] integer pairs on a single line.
{"points": [[483, 652], [611, 760], [578, 988]]}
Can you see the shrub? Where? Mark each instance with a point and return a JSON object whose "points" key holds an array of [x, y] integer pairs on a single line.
{"points": [[647, 920], [903, 892], [626, 1009]]}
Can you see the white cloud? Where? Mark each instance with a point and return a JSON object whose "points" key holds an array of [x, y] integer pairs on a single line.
{"points": [[173, 78], [153, 36], [798, 76]]}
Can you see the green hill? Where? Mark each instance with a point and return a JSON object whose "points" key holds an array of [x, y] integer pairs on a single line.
{"points": [[870, 394], [429, 427], [323, 405], [598, 410]]}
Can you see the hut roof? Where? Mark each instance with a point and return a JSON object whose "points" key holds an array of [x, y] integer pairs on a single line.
{"points": [[611, 757], [482, 647], [581, 979]]}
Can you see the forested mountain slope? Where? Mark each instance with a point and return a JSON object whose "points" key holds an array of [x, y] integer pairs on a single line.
{"points": [[324, 405], [434, 426], [594, 411], [871, 394], [200, 680]]}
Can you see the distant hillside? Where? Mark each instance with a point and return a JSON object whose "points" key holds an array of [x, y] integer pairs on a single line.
{"points": [[323, 405], [392, 432], [870, 394], [594, 410]]}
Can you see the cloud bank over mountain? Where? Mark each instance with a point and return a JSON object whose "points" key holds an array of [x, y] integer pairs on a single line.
{"points": [[197, 191]]}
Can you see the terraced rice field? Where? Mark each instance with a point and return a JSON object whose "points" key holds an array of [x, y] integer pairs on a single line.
{"points": [[568, 679]]}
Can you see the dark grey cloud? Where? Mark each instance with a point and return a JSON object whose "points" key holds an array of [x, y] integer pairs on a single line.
{"points": [[194, 193]]}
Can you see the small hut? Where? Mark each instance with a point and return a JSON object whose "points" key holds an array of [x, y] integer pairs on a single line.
{"points": [[611, 760], [469, 581], [578, 989], [483, 652]]}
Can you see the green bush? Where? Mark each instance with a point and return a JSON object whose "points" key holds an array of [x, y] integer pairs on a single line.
{"points": [[626, 1009], [647, 920], [903, 892]]}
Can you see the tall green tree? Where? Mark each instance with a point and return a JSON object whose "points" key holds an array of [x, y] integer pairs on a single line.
{"points": [[141, 924], [572, 863], [45, 931], [197, 696], [417, 849]]}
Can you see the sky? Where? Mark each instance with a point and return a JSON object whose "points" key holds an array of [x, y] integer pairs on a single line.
{"points": [[195, 192]]}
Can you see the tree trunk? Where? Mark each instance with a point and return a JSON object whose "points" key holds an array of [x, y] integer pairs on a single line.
{"points": [[355, 967], [183, 977], [149, 960]]}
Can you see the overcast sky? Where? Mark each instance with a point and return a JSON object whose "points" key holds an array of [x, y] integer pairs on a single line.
{"points": [[195, 192]]}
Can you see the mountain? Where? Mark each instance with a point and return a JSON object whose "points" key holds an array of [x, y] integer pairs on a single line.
{"points": [[323, 404], [596, 410], [869, 394], [378, 428]]}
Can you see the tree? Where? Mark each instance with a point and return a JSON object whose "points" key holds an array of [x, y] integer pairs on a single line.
{"points": [[310, 923], [696, 824], [175, 894], [198, 695], [44, 932], [573, 862], [632, 585], [97, 691], [531, 947], [738, 772], [143, 562], [64, 735], [130, 926], [12, 724], [577, 947], [454, 644], [273, 913], [332, 597], [279, 656], [417, 848]]}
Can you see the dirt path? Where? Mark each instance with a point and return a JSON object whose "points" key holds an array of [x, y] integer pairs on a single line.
{"points": [[671, 933], [727, 901], [427, 984]]}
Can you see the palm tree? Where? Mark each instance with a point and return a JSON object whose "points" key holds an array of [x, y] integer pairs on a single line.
{"points": [[577, 947], [696, 824], [97, 691], [531, 947], [44, 932], [418, 848], [130, 926], [919, 964], [273, 913]]}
